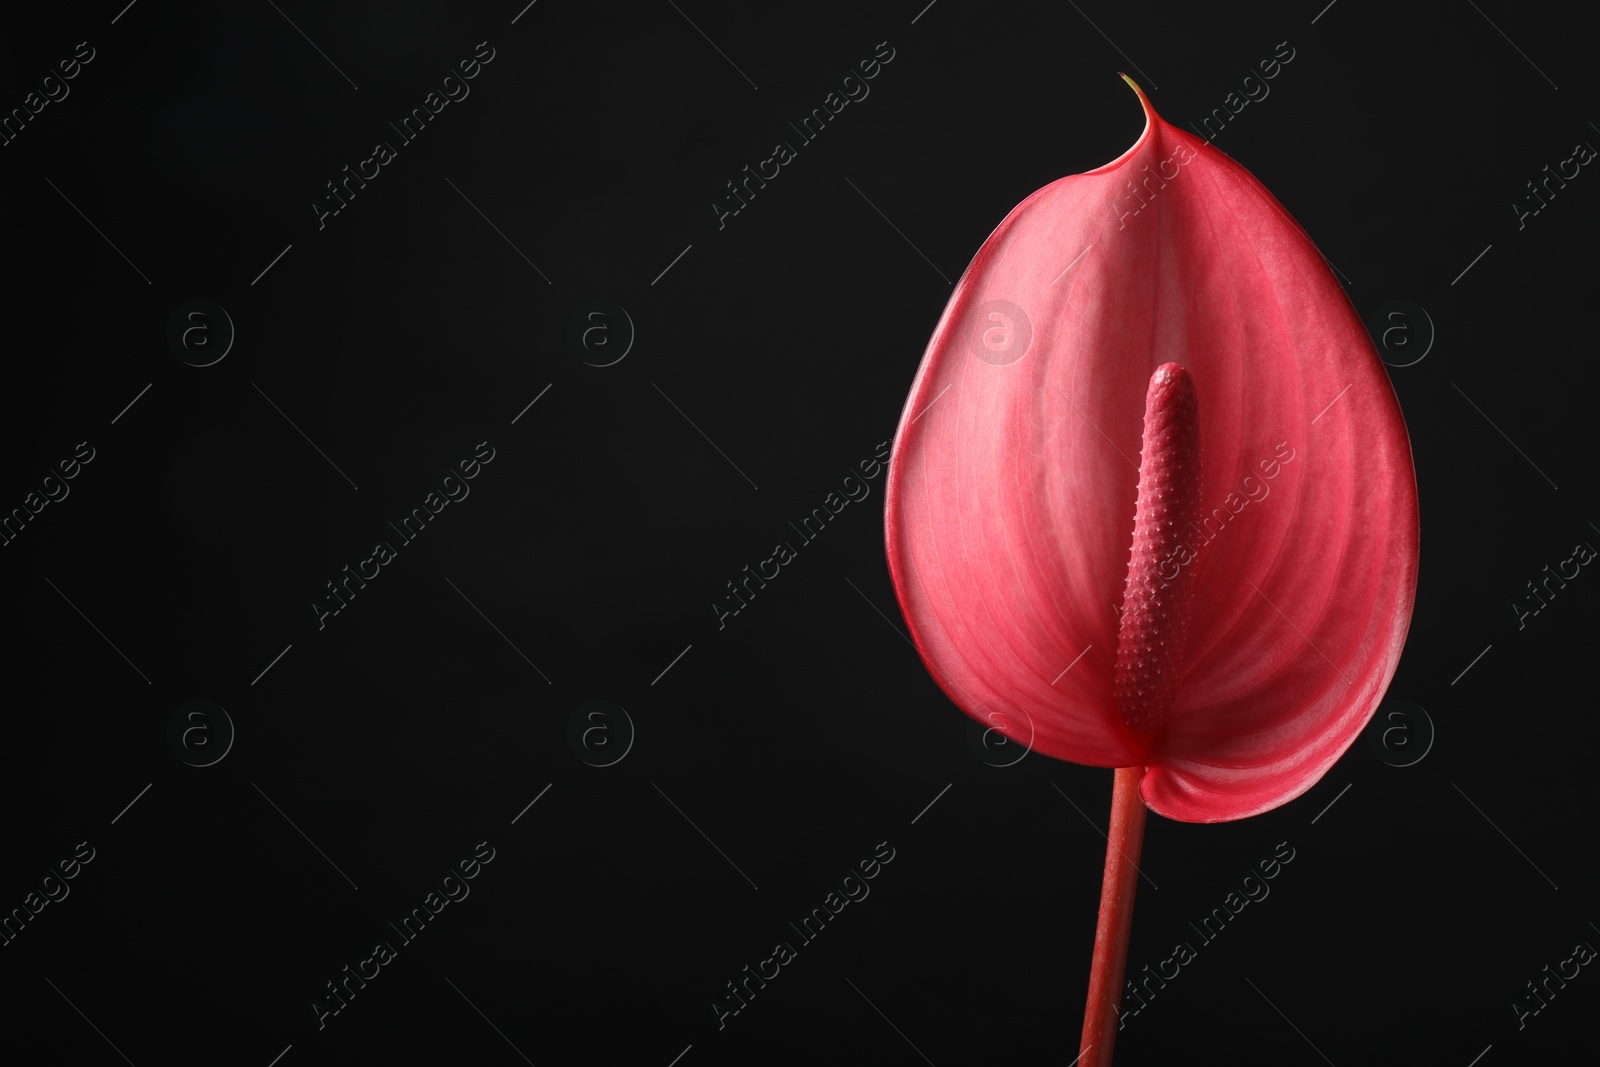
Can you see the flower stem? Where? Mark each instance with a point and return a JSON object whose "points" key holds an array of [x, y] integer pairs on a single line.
{"points": [[1123, 842]]}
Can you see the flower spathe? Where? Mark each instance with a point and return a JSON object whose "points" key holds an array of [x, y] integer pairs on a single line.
{"points": [[1015, 482]]}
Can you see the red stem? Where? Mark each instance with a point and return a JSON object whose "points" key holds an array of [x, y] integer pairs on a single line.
{"points": [[1123, 842]]}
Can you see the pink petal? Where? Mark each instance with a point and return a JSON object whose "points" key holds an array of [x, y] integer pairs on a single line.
{"points": [[1014, 475]]}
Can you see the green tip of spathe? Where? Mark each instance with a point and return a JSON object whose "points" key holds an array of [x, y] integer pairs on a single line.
{"points": [[1144, 101]]}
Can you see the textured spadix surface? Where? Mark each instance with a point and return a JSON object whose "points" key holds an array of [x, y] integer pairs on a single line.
{"points": [[1012, 486]]}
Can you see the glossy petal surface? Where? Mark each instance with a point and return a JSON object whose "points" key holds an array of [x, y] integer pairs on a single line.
{"points": [[1012, 485]]}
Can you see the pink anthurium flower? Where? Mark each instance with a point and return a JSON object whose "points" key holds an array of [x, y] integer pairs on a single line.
{"points": [[1151, 503]]}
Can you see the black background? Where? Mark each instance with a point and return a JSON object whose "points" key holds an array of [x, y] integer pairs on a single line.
{"points": [[415, 723]]}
